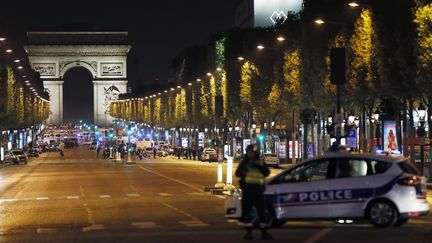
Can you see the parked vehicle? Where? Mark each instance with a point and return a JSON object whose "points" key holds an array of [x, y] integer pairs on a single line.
{"points": [[37, 148], [271, 160], [15, 156], [385, 190], [209, 155], [33, 153]]}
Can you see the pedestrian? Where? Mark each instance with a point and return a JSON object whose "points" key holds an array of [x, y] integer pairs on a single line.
{"points": [[154, 152], [97, 151], [61, 147], [252, 172], [61, 154]]}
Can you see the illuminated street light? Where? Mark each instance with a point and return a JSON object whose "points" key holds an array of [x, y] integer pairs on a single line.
{"points": [[319, 21], [198, 80], [8, 51], [260, 47], [353, 4], [240, 58], [209, 74], [2, 39], [17, 60], [219, 69], [178, 87], [190, 84], [280, 38], [20, 67], [172, 89]]}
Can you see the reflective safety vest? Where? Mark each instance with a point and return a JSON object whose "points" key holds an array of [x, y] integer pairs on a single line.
{"points": [[254, 176]]}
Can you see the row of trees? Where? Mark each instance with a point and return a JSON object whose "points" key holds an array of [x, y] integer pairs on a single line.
{"points": [[23, 103], [389, 56]]}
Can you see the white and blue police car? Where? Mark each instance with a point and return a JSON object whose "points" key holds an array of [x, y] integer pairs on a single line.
{"points": [[385, 190]]}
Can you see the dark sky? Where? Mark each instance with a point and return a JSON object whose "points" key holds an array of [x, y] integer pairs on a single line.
{"points": [[158, 30]]}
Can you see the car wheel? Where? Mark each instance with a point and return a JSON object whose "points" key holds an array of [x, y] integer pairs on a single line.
{"points": [[401, 221], [382, 214]]}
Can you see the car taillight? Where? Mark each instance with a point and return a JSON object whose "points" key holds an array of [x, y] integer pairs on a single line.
{"points": [[410, 181]]}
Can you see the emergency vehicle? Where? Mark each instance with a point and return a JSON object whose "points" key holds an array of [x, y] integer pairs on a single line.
{"points": [[385, 190]]}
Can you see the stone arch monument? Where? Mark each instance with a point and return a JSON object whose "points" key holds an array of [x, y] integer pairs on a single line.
{"points": [[103, 54]]}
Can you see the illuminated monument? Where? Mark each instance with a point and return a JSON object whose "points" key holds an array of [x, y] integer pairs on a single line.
{"points": [[103, 54]]}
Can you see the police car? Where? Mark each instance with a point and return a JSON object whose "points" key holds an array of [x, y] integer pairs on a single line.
{"points": [[385, 190]]}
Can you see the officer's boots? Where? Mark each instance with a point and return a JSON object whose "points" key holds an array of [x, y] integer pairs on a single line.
{"points": [[248, 235]]}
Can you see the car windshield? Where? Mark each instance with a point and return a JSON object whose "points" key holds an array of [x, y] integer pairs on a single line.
{"points": [[17, 152]]}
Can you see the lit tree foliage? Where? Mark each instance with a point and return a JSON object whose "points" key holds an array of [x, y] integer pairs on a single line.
{"points": [[423, 19], [292, 70], [248, 72]]}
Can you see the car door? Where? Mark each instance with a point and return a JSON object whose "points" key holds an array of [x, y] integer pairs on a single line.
{"points": [[300, 192], [349, 186]]}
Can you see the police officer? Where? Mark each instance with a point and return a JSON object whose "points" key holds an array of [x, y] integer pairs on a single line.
{"points": [[252, 172]]}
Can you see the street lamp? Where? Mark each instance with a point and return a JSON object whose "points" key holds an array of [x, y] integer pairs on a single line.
{"points": [[421, 133], [254, 131], [129, 160], [376, 117], [319, 21], [353, 4]]}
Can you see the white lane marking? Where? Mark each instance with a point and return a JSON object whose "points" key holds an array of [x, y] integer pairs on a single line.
{"points": [[196, 193], [93, 227], [8, 200], [133, 195], [104, 196], [193, 223], [318, 236], [82, 191], [42, 198], [46, 230], [72, 197], [134, 188], [172, 179], [89, 214], [162, 194], [145, 225]]}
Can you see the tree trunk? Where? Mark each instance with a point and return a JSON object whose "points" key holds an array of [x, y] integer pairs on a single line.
{"points": [[293, 138], [305, 139], [319, 135], [411, 128], [363, 138], [313, 138], [405, 129]]}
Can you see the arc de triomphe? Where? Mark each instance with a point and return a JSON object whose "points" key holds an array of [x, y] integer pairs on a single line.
{"points": [[103, 54]]}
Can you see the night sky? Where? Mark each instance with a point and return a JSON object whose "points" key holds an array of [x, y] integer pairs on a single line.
{"points": [[158, 31]]}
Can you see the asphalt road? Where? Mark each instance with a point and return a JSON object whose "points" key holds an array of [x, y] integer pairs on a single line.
{"points": [[86, 199]]}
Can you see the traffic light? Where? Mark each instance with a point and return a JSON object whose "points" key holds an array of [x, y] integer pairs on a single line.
{"points": [[111, 135], [261, 137]]}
